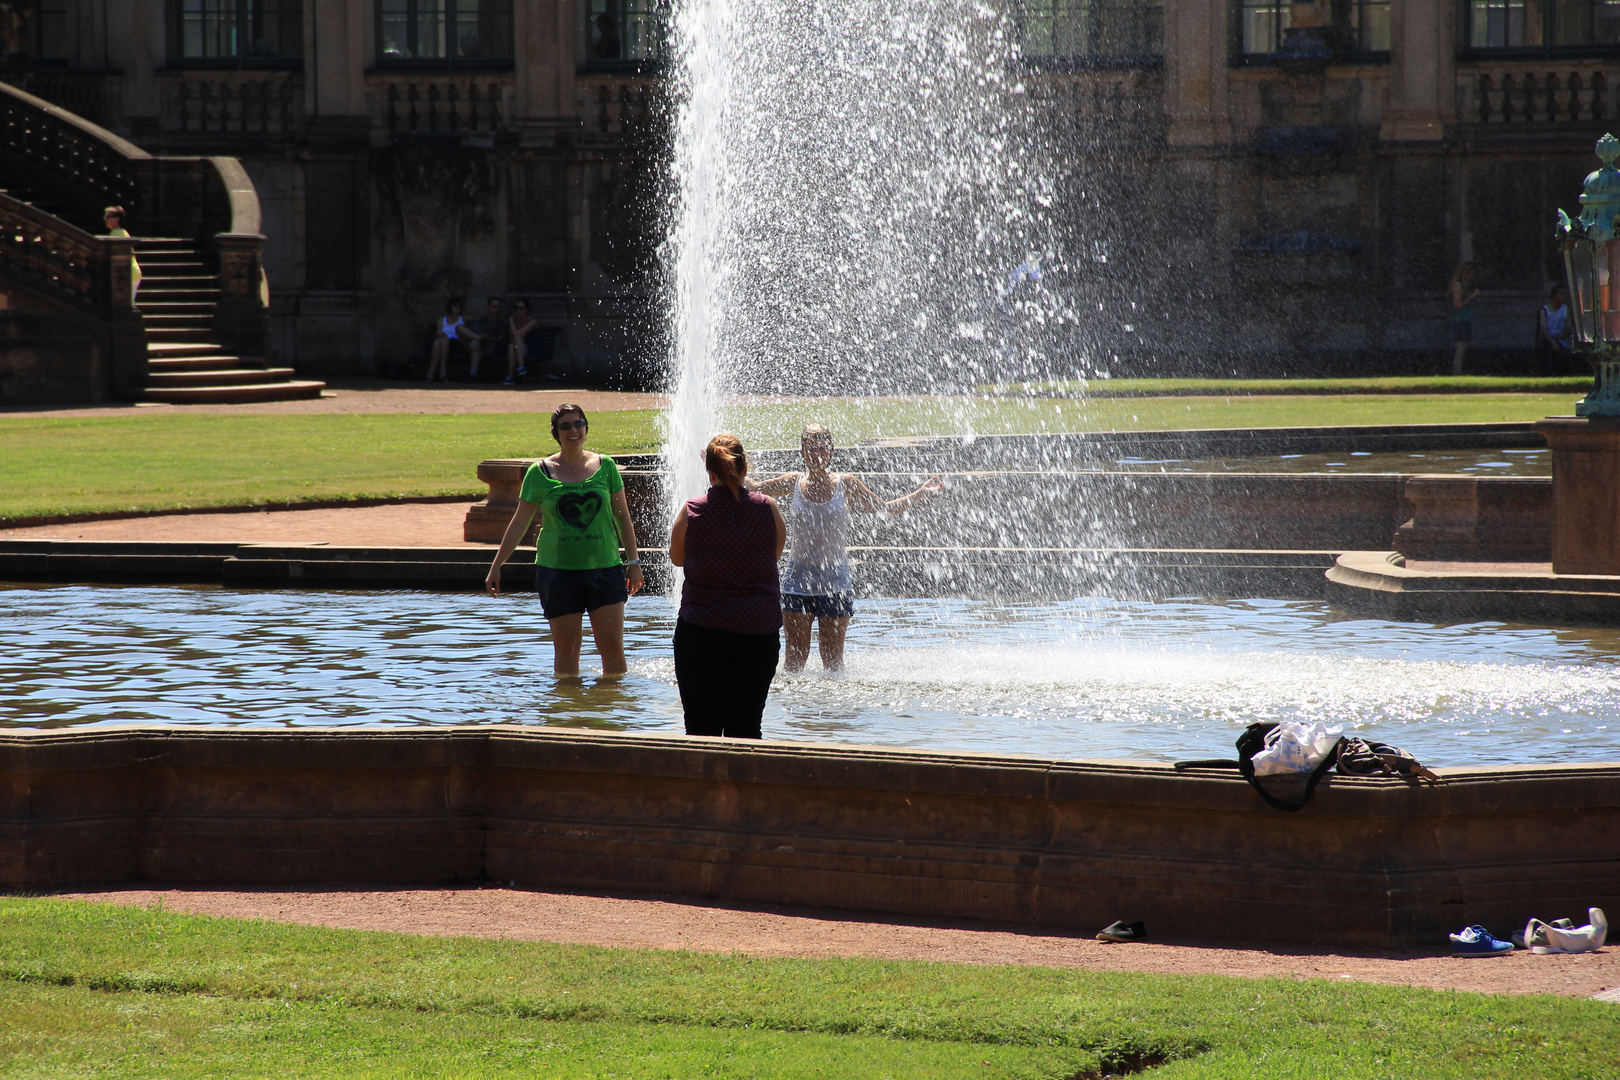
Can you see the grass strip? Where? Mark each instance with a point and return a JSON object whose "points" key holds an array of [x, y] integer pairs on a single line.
{"points": [[54, 1032], [1395, 384], [352, 995], [58, 466], [52, 466], [853, 419]]}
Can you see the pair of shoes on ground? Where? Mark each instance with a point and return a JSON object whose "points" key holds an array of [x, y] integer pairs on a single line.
{"points": [[509, 381], [1477, 941], [1560, 937], [1120, 930], [1534, 932]]}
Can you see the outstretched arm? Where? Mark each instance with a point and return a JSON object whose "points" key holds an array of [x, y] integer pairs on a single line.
{"points": [[865, 499], [777, 487]]}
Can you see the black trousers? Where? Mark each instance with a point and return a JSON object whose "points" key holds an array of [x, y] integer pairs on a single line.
{"points": [[723, 678]]}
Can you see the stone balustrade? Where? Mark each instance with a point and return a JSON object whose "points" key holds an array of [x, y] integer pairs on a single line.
{"points": [[260, 103], [440, 104], [1107, 108], [98, 96], [620, 104], [1537, 93], [82, 158], [58, 256]]}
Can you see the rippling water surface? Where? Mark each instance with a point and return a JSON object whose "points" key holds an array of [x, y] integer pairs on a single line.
{"points": [[1078, 679]]}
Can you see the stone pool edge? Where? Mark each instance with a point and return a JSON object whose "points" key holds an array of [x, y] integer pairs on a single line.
{"points": [[902, 571], [1056, 845]]}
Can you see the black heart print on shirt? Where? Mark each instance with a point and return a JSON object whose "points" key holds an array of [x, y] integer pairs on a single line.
{"points": [[579, 508]]}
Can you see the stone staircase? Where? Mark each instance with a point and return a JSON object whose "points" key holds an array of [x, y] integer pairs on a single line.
{"points": [[176, 300]]}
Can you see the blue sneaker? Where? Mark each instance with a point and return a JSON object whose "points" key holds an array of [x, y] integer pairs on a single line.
{"points": [[1477, 941]]}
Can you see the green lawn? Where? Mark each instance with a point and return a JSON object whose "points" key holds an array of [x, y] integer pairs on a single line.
{"points": [[96, 990], [52, 466], [780, 425]]}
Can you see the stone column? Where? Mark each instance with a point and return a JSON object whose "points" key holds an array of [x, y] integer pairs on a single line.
{"points": [[1196, 63], [123, 348], [136, 45], [1586, 493], [1422, 71], [544, 43], [241, 320], [337, 50]]}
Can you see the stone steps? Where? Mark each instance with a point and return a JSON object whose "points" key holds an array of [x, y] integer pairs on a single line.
{"points": [[207, 359], [184, 367], [290, 390], [217, 377], [177, 298]]}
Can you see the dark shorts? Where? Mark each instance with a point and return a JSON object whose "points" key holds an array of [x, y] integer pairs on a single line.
{"points": [[570, 592], [837, 606], [1462, 330]]}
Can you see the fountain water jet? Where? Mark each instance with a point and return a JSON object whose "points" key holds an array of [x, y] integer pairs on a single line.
{"points": [[853, 188]]}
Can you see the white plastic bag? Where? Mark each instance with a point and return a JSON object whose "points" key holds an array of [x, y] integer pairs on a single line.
{"points": [[1292, 747], [1588, 938]]}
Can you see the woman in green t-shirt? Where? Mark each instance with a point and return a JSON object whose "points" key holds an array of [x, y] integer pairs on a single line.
{"points": [[584, 519]]}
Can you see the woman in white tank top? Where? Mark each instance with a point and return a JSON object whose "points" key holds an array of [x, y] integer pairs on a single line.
{"points": [[816, 586]]}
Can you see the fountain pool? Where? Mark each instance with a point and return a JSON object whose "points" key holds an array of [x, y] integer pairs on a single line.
{"points": [[1082, 678]]}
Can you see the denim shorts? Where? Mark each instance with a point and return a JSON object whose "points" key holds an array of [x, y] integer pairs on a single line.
{"points": [[570, 592], [837, 606]]}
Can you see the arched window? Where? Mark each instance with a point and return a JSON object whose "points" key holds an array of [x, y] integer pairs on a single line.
{"points": [[444, 33]]}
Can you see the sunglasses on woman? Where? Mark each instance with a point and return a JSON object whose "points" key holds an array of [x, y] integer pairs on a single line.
{"points": [[570, 425]]}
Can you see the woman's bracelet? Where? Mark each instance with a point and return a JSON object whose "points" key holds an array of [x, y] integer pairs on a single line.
{"points": [[633, 562]]}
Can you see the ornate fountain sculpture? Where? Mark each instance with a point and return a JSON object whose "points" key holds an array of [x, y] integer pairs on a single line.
{"points": [[1586, 446], [1591, 253]]}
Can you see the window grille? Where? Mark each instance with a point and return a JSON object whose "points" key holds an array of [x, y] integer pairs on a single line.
{"points": [[1543, 25], [1357, 27], [1092, 31], [626, 31], [236, 32], [444, 32], [32, 32]]}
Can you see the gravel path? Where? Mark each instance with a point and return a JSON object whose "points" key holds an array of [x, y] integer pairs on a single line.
{"points": [[359, 396], [652, 923], [408, 524]]}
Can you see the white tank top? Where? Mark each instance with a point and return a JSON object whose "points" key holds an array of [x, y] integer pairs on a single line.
{"points": [[818, 552]]}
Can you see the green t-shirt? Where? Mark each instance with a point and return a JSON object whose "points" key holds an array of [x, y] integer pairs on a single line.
{"points": [[577, 531]]}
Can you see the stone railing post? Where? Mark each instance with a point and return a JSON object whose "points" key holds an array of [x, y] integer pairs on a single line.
{"points": [[115, 285], [116, 298], [242, 316]]}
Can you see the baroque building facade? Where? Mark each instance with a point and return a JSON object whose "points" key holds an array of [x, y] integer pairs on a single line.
{"points": [[1276, 186]]}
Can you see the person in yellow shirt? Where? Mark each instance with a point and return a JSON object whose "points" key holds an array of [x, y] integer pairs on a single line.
{"points": [[113, 218]]}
